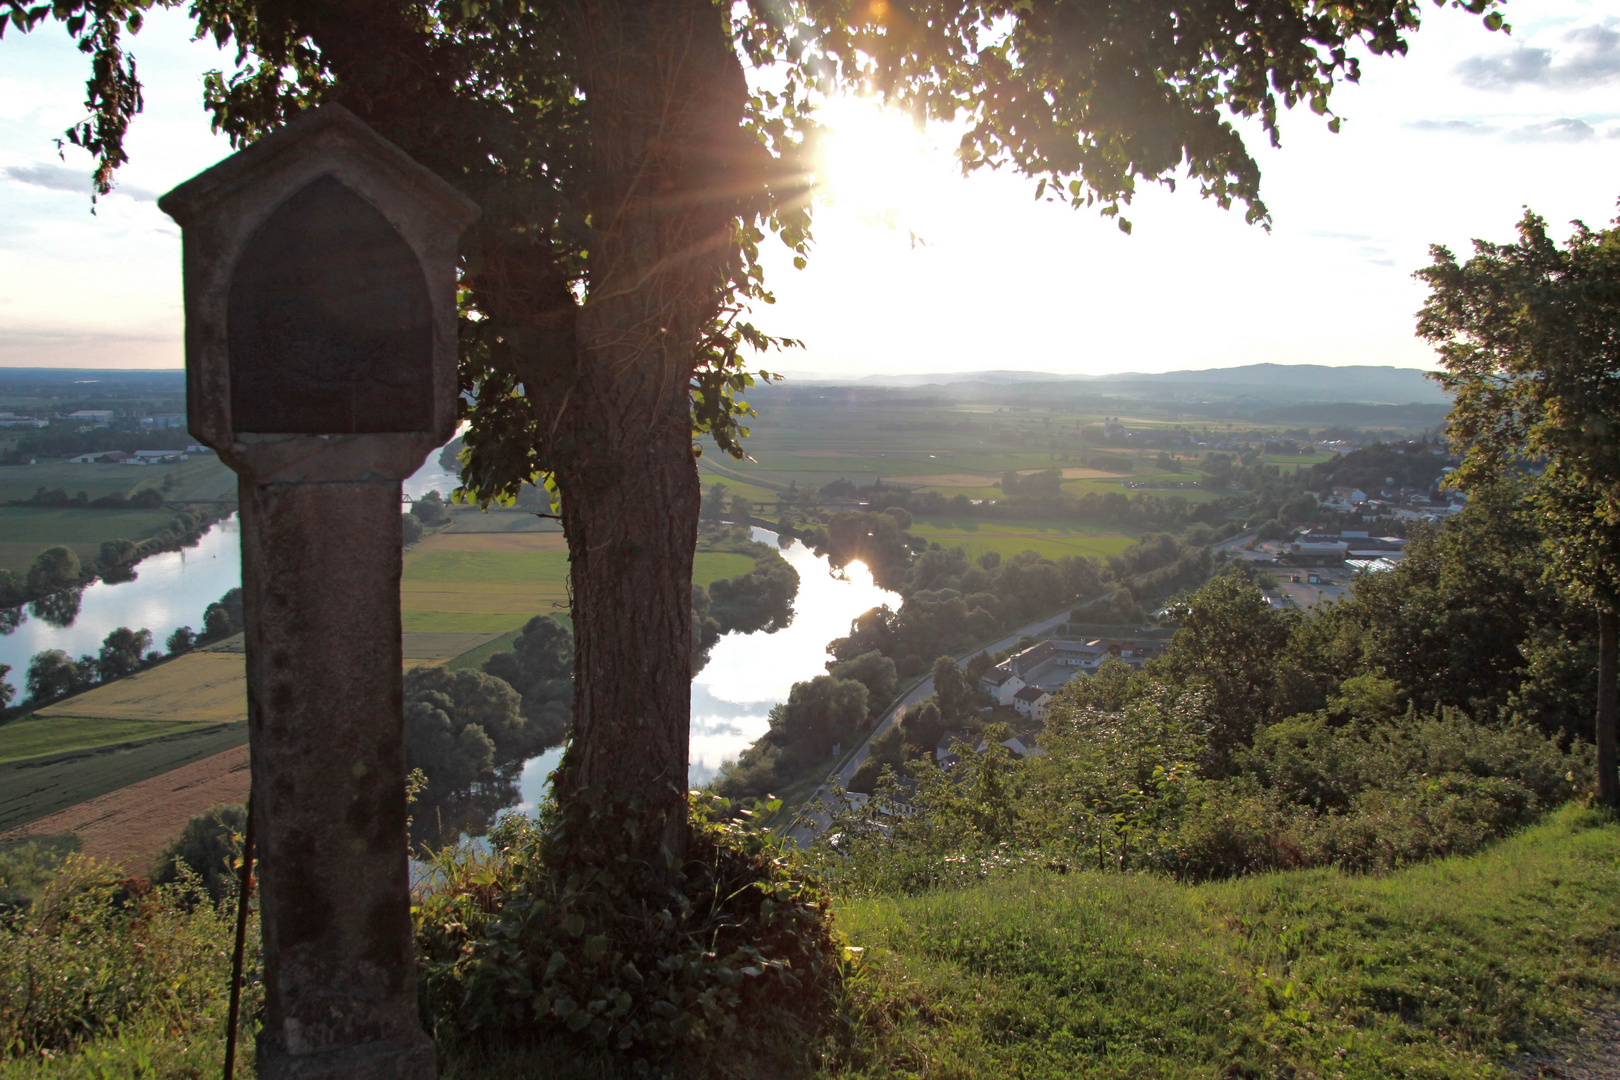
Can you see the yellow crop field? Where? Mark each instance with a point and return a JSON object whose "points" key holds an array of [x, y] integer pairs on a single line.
{"points": [[211, 687], [201, 687]]}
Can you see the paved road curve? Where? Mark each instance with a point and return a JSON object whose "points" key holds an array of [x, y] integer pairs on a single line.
{"points": [[806, 830]]}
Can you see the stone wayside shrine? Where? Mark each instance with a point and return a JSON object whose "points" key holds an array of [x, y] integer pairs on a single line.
{"points": [[320, 301]]}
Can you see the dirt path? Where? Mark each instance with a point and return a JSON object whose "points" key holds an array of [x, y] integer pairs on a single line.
{"points": [[131, 825]]}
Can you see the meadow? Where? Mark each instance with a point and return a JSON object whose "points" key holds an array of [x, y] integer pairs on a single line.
{"points": [[1050, 539], [37, 736], [202, 478], [25, 531], [199, 687], [1468, 967], [205, 687], [494, 582]]}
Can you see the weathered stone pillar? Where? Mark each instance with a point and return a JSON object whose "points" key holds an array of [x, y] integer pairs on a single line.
{"points": [[320, 363]]}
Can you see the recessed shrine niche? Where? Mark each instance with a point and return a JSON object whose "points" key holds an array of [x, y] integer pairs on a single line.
{"points": [[329, 322]]}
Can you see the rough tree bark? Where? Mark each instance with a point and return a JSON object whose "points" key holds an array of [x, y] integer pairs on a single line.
{"points": [[1608, 706], [605, 379], [665, 94]]}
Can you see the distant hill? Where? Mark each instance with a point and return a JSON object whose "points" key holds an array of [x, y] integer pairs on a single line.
{"points": [[1294, 384]]}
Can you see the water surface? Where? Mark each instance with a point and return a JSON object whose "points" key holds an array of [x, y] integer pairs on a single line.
{"points": [[747, 674]]}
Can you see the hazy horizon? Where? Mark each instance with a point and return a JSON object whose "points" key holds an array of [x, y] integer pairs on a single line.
{"points": [[916, 270]]}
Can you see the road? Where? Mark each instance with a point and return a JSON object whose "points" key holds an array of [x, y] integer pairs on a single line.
{"points": [[805, 831]]}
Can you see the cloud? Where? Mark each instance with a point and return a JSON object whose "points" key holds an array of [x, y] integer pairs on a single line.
{"points": [[1565, 129], [1336, 235], [1451, 127], [62, 178], [1587, 56]]}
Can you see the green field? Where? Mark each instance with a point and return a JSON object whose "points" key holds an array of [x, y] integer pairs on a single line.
{"points": [[37, 736], [25, 531], [201, 479], [1051, 539], [470, 519], [494, 583], [542, 567]]}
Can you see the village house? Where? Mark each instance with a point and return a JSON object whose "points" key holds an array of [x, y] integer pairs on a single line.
{"points": [[1032, 701], [1049, 665], [98, 417]]}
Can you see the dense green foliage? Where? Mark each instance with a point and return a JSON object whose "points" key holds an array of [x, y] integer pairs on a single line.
{"points": [[1526, 337], [207, 852], [1425, 713], [714, 965], [540, 668], [468, 734], [104, 977]]}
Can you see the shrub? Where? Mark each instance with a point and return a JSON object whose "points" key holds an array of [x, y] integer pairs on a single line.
{"points": [[561, 937], [142, 971], [206, 850]]}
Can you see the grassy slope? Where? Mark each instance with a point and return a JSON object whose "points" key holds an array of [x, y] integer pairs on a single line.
{"points": [[1436, 971]]}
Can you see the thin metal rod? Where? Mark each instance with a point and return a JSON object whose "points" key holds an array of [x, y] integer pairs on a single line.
{"points": [[244, 893]]}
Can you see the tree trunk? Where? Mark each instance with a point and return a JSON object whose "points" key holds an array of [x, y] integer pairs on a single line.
{"points": [[666, 94], [1608, 704]]}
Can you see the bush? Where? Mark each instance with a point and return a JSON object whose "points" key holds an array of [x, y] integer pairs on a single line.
{"points": [[206, 851], [553, 940], [430, 510], [410, 529], [143, 972]]}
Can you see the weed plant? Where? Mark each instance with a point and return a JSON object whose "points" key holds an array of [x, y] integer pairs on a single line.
{"points": [[102, 976]]}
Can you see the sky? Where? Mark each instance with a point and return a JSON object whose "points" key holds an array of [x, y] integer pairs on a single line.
{"points": [[917, 270]]}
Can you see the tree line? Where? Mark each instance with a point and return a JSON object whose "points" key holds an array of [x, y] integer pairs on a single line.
{"points": [[1438, 705]]}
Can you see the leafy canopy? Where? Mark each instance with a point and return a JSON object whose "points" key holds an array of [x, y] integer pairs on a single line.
{"points": [[1088, 99], [1529, 341]]}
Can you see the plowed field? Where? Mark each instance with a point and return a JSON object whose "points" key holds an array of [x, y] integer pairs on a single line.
{"points": [[131, 825]]}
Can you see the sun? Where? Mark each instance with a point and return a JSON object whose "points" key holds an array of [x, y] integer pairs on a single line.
{"points": [[876, 164]]}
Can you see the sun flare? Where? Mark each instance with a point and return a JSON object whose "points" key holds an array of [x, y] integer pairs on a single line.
{"points": [[876, 163]]}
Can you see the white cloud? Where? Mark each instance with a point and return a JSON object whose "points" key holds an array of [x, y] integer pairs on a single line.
{"points": [[62, 178], [1584, 57], [1565, 129], [1452, 127]]}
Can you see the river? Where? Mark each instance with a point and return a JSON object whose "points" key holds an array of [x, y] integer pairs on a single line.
{"points": [[731, 697], [749, 673], [171, 589]]}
